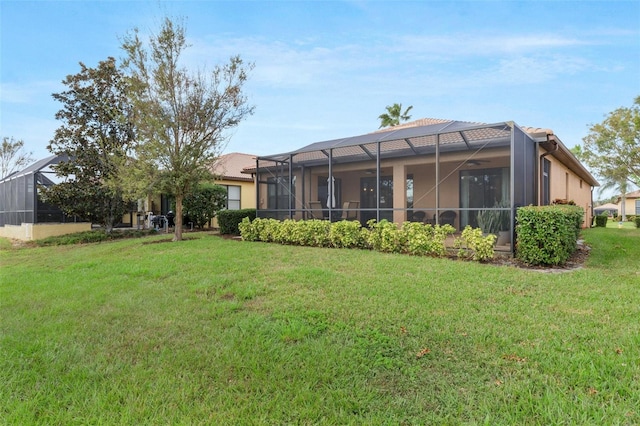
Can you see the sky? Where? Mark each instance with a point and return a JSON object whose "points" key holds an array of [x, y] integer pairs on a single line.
{"points": [[327, 69]]}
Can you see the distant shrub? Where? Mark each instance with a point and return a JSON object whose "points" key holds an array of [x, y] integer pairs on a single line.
{"points": [[94, 236], [601, 220], [547, 235], [228, 220], [637, 221]]}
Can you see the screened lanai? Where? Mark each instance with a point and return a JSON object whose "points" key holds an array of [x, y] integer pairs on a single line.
{"points": [[440, 172], [19, 200]]}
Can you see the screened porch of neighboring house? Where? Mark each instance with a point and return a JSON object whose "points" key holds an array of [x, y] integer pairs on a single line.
{"points": [[447, 172]]}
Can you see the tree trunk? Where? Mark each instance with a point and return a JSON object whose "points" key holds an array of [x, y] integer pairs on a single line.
{"points": [[177, 236]]}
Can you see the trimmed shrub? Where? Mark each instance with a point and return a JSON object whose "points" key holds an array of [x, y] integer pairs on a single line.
{"points": [[547, 235], [94, 236], [426, 239], [384, 236], [347, 234], [228, 220], [637, 221], [601, 220], [413, 238], [474, 245]]}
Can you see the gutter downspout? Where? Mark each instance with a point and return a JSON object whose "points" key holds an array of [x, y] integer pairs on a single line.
{"points": [[541, 167]]}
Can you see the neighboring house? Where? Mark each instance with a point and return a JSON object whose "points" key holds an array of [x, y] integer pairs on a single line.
{"points": [[228, 172], [241, 193], [609, 209], [23, 214], [632, 203], [431, 170]]}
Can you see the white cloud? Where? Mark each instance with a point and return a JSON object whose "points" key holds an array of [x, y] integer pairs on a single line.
{"points": [[456, 45]]}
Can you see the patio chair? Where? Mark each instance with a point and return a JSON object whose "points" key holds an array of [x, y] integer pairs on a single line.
{"points": [[315, 210], [350, 210], [418, 216], [448, 217]]}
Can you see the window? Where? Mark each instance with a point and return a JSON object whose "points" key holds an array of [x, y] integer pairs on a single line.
{"points": [[546, 188], [410, 191], [233, 197]]}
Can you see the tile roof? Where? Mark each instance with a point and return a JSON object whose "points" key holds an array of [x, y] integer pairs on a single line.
{"points": [[229, 166], [430, 121]]}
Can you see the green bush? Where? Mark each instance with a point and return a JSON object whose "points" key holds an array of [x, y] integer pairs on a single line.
{"points": [[203, 202], [412, 238], [547, 235], [347, 234], [474, 245], [94, 236], [385, 236], [228, 220], [637, 221], [426, 239], [601, 220]]}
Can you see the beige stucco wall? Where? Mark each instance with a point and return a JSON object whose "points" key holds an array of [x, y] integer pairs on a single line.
{"points": [[629, 206], [247, 195], [30, 231], [566, 185]]}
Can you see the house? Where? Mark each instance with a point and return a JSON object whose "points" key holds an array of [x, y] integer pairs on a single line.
{"points": [[227, 171], [431, 170], [631, 204], [23, 213], [610, 209]]}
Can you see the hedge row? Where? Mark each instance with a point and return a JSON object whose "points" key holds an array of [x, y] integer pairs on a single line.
{"points": [[228, 220], [547, 235], [411, 238]]}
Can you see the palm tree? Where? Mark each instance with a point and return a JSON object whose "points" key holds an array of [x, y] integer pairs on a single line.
{"points": [[393, 115]]}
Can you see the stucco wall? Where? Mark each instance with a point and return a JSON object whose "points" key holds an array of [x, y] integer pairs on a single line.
{"points": [[30, 231], [629, 206], [566, 185]]}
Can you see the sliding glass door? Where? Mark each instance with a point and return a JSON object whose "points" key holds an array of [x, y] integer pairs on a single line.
{"points": [[482, 188]]}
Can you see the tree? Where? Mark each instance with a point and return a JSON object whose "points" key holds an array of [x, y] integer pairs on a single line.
{"points": [[393, 115], [96, 134], [13, 157], [612, 148], [202, 203], [182, 117]]}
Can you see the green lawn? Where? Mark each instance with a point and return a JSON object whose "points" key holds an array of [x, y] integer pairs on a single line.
{"points": [[616, 224], [215, 331]]}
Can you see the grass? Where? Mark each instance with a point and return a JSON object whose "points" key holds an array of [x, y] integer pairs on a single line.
{"points": [[616, 224], [214, 331]]}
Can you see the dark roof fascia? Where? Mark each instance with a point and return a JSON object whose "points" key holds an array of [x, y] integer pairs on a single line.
{"points": [[566, 157]]}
